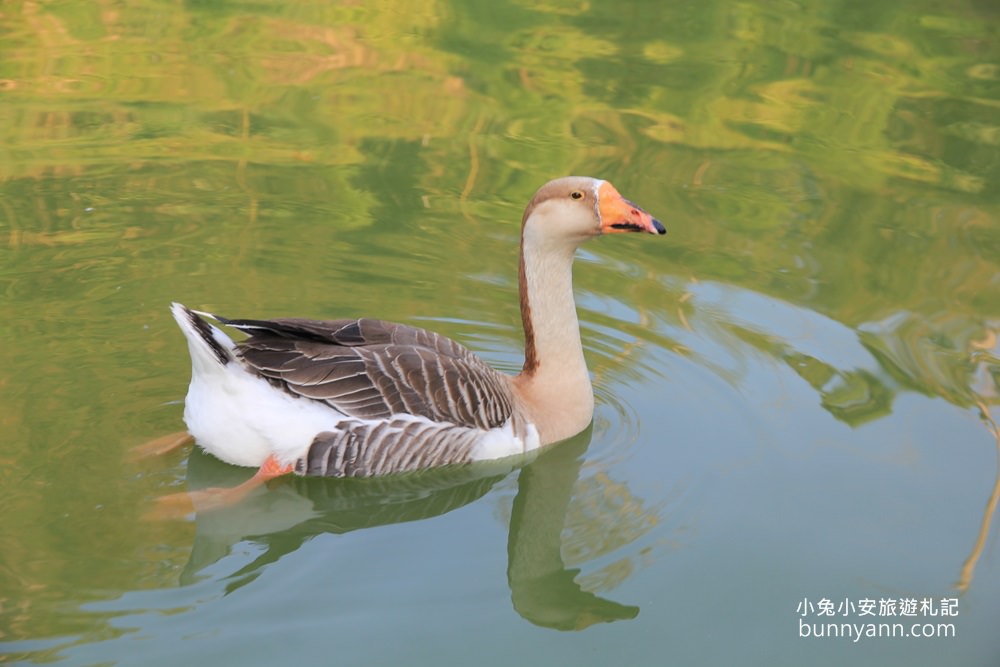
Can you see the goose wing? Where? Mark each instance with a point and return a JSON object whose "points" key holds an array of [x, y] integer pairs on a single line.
{"points": [[372, 369], [365, 448]]}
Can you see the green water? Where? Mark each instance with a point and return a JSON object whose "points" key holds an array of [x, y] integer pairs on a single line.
{"points": [[793, 386]]}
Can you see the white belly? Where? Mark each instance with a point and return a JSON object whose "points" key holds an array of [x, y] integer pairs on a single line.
{"points": [[242, 419]]}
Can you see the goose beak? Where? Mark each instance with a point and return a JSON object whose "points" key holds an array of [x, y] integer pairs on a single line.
{"points": [[618, 214]]}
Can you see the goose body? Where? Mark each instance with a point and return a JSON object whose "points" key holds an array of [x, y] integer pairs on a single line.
{"points": [[366, 397]]}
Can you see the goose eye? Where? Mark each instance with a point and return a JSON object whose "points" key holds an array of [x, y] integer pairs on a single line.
{"points": [[576, 194]]}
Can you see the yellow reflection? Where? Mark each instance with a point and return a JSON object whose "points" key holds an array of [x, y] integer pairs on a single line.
{"points": [[969, 567]]}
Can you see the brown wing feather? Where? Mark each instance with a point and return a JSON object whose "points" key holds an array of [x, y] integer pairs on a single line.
{"points": [[365, 449], [371, 369]]}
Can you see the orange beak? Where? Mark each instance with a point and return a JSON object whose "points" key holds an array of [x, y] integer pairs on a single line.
{"points": [[620, 215]]}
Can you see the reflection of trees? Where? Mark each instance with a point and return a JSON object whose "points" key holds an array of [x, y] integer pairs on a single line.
{"points": [[945, 355], [969, 567], [940, 354], [853, 396], [859, 373], [556, 518]]}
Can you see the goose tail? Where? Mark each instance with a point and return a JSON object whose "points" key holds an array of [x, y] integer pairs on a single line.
{"points": [[211, 349]]}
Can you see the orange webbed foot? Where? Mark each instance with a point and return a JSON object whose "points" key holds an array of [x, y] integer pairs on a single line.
{"points": [[175, 506], [184, 504], [160, 446]]}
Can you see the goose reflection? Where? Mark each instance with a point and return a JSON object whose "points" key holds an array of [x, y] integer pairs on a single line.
{"points": [[543, 589]]}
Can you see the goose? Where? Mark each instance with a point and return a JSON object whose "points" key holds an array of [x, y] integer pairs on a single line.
{"points": [[365, 397]]}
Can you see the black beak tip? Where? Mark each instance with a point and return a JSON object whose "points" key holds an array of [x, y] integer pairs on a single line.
{"points": [[658, 226]]}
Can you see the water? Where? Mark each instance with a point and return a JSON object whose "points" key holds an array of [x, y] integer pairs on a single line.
{"points": [[791, 384]]}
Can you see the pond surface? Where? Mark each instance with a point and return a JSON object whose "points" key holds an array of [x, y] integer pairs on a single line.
{"points": [[796, 387]]}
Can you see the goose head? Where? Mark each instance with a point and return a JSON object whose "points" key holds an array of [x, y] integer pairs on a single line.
{"points": [[554, 384], [570, 210]]}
